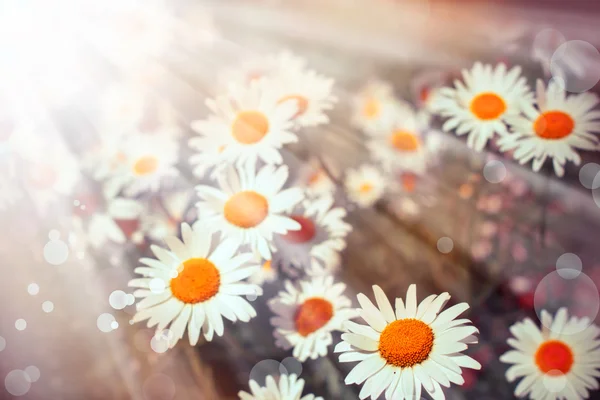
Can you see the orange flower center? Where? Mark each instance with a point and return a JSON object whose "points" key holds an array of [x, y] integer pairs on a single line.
{"points": [[267, 265], [404, 141], [145, 165], [246, 209], [250, 127], [406, 342], [371, 108], [301, 103], [488, 106], [316, 177], [313, 314], [553, 125], [305, 233], [198, 280], [365, 187], [409, 181], [553, 356], [424, 94]]}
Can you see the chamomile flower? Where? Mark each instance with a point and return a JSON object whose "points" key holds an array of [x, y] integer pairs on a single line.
{"points": [[147, 161], [249, 123], [316, 246], [559, 361], [560, 125], [316, 181], [403, 349], [310, 92], [249, 206], [190, 285], [266, 273], [164, 220], [262, 67], [101, 226], [402, 145], [207, 157], [288, 388], [365, 185], [307, 314], [374, 107], [481, 105]]}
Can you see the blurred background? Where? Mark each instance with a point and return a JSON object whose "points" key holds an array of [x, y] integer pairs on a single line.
{"points": [[478, 225]]}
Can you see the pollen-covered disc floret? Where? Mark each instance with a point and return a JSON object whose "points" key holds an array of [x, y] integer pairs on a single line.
{"points": [[249, 206], [404, 349], [555, 129], [481, 104], [307, 313], [559, 361], [190, 286], [284, 387], [248, 123]]}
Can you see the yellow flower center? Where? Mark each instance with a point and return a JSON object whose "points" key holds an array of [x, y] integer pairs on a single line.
{"points": [[365, 188], [312, 315], [371, 108], [406, 342], [250, 127], [145, 165], [301, 103], [553, 125], [246, 209], [404, 141], [553, 356], [198, 280], [267, 266], [487, 106]]}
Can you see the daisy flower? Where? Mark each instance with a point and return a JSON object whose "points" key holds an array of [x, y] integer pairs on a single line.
{"points": [[249, 206], [560, 361], [208, 155], [560, 125], [164, 221], [481, 105], [402, 145], [147, 161], [316, 246], [365, 185], [288, 388], [315, 180], [261, 67], [374, 107], [307, 313], [189, 285], [102, 227], [310, 93], [412, 346], [250, 123], [267, 273]]}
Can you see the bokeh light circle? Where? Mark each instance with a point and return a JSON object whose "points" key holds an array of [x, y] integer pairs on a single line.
{"points": [[20, 324], [587, 175], [579, 295], [569, 266], [596, 189], [130, 299], [159, 387], [33, 373], [290, 365], [105, 322], [48, 306], [494, 171], [554, 381], [445, 245], [56, 252], [118, 299], [578, 63], [264, 368], [17, 382], [54, 235], [161, 341], [33, 289]]}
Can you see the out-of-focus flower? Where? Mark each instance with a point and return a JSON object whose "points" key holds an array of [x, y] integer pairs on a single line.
{"points": [[374, 107], [410, 347], [481, 105], [267, 273], [159, 222], [147, 161], [288, 388], [250, 206], [558, 361], [315, 179], [365, 185], [315, 247], [247, 124], [307, 313], [190, 286], [558, 126]]}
